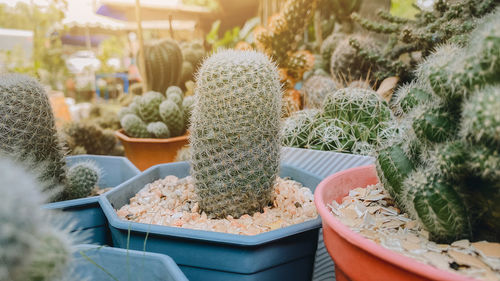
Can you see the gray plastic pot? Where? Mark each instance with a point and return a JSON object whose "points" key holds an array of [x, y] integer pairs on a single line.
{"points": [[85, 214], [282, 254], [111, 264]]}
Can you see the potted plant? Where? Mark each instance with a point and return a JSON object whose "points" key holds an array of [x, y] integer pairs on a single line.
{"points": [[86, 214], [153, 123], [440, 166], [106, 263], [234, 132]]}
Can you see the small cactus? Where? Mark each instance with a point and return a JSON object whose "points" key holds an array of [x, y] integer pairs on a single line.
{"points": [[329, 45], [82, 178], [158, 130], [297, 127], [174, 89], [134, 126], [315, 89], [235, 133], [173, 117], [187, 108], [346, 64], [149, 106]]}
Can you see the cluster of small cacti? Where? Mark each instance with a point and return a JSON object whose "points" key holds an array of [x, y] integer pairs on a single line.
{"points": [[442, 163], [154, 115], [192, 54], [280, 40], [449, 21], [28, 133], [163, 65], [88, 138], [235, 133], [350, 120], [33, 247]]}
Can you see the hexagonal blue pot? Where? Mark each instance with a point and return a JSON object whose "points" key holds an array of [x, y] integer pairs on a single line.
{"points": [[109, 264], [85, 214], [282, 254]]}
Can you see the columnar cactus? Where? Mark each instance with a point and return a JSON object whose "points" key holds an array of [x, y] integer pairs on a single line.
{"points": [[163, 59], [27, 128], [451, 183], [33, 248], [235, 133]]}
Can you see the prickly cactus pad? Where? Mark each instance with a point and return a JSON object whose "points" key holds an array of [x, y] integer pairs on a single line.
{"points": [[27, 128], [235, 133]]}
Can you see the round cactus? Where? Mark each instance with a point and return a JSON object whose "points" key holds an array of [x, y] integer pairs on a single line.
{"points": [[329, 45], [82, 178], [176, 97], [134, 126], [480, 120], [434, 123], [163, 59], [174, 89], [484, 162], [296, 128], [173, 117], [410, 96], [27, 128], [315, 89], [158, 130], [235, 133], [331, 135], [149, 106], [346, 64], [450, 159], [437, 205], [363, 106]]}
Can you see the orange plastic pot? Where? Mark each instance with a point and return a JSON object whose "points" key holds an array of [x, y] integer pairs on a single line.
{"points": [[144, 152], [356, 257]]}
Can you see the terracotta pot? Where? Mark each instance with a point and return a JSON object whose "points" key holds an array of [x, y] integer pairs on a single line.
{"points": [[359, 258], [145, 152]]}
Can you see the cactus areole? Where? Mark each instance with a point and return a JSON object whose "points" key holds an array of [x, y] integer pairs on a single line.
{"points": [[235, 133]]}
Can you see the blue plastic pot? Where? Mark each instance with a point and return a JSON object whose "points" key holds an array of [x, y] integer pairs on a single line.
{"points": [[85, 214], [282, 254], [111, 264]]}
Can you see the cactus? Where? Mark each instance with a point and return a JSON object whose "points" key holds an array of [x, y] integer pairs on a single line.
{"points": [[451, 142], [175, 97], [297, 127], [136, 89], [183, 154], [134, 126], [149, 106], [447, 22], [346, 64], [163, 64], [174, 89], [187, 108], [173, 117], [439, 207], [235, 133], [27, 128], [315, 89], [186, 72], [329, 45], [90, 137], [357, 105], [158, 130], [331, 135], [33, 246], [82, 178]]}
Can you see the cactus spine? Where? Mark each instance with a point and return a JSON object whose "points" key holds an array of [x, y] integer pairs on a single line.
{"points": [[235, 133]]}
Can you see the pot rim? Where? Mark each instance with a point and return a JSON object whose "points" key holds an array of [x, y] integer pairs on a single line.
{"points": [[120, 134], [368, 246]]}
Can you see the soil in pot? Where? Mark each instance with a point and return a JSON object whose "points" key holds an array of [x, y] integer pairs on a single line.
{"points": [[173, 202], [372, 213]]}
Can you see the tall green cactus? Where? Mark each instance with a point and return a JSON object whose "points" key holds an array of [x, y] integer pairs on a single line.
{"points": [[33, 247], [27, 128], [163, 64], [235, 133]]}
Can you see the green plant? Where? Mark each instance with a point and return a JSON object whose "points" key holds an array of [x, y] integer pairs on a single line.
{"points": [[149, 106], [443, 166], [134, 126], [342, 9], [173, 116], [82, 178], [329, 45], [158, 130], [187, 108], [315, 89], [235, 133], [447, 22], [345, 62], [27, 128], [297, 127], [33, 247], [88, 138], [163, 64]]}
